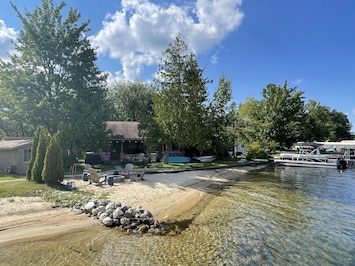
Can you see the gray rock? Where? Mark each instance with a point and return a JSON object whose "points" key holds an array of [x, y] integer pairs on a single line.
{"points": [[111, 206], [89, 207], [107, 221], [118, 213], [125, 221], [103, 216], [102, 202]]}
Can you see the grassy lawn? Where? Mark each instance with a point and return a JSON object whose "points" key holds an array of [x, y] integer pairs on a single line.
{"points": [[18, 186]]}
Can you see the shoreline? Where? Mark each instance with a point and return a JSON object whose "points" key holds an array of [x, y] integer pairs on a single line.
{"points": [[168, 196]]}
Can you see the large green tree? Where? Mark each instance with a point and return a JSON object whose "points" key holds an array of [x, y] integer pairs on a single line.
{"points": [[282, 111], [52, 79], [324, 124], [180, 102], [219, 118], [132, 100]]}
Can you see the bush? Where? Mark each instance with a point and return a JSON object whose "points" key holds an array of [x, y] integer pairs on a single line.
{"points": [[256, 151], [53, 171]]}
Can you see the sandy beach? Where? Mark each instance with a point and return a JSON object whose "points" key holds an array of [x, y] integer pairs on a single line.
{"points": [[169, 196]]}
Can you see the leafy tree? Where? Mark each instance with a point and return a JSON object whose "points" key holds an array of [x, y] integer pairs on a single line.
{"points": [[132, 100], [324, 124], [52, 79], [34, 147], [36, 171], [282, 111], [53, 171], [248, 124], [342, 126], [180, 102]]}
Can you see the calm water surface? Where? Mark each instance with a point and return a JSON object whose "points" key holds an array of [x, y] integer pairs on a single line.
{"points": [[282, 216]]}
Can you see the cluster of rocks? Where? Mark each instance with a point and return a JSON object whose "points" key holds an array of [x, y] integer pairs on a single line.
{"points": [[112, 214]]}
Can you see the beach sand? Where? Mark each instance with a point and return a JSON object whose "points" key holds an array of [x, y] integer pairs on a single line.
{"points": [[168, 196]]}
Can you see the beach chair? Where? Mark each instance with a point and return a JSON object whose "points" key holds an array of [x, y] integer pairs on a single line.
{"points": [[94, 177], [137, 176], [127, 169]]}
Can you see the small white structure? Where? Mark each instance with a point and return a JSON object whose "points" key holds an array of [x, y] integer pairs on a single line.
{"points": [[15, 154]]}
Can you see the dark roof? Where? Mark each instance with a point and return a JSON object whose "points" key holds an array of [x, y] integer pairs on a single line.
{"points": [[123, 129]]}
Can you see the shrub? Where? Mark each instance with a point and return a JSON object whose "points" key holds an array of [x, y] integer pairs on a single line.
{"points": [[53, 171]]}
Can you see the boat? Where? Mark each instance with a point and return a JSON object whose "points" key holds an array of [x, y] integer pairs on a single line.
{"points": [[204, 159], [311, 156], [178, 159]]}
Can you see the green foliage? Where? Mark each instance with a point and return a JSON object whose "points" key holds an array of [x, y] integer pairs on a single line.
{"points": [[53, 171], [257, 150], [36, 171], [180, 103], [132, 100], [33, 154], [53, 81], [219, 118], [324, 124]]}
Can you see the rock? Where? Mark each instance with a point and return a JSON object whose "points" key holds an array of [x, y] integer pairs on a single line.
{"points": [[102, 202], [103, 216], [125, 221], [89, 207], [107, 221], [101, 209], [111, 206], [142, 228], [118, 213]]}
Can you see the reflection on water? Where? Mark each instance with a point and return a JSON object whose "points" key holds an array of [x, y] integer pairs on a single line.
{"points": [[276, 217]]}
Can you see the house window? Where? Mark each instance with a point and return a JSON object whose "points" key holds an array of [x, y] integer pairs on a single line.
{"points": [[26, 155]]}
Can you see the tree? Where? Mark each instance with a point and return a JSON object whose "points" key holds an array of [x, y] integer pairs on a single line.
{"points": [[34, 147], [36, 171], [282, 111], [132, 100], [180, 102], [220, 118], [53, 171], [324, 124], [52, 79]]}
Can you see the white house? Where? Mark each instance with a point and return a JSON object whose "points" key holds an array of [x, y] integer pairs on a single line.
{"points": [[15, 154]]}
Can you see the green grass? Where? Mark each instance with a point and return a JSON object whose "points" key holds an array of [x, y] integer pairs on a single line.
{"points": [[22, 188]]}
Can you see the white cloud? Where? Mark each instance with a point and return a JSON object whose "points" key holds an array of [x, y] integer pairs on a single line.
{"points": [[140, 31], [6, 36], [354, 111]]}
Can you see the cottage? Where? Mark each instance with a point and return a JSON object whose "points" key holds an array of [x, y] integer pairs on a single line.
{"points": [[15, 154], [125, 143]]}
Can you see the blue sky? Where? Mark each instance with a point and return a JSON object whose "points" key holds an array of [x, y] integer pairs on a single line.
{"points": [[311, 44]]}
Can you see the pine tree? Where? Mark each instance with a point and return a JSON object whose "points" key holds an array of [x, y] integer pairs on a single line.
{"points": [[33, 154], [53, 171], [40, 154]]}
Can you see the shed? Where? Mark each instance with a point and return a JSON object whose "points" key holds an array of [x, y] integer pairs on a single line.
{"points": [[15, 154]]}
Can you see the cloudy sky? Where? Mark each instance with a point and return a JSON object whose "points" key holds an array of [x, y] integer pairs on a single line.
{"points": [[311, 44]]}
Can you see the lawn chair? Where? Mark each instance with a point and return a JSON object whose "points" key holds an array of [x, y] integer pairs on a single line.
{"points": [[127, 169], [94, 177], [137, 176]]}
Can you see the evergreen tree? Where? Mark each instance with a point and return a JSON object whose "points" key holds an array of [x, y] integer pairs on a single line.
{"points": [[33, 154], [180, 102], [53, 171], [40, 154]]}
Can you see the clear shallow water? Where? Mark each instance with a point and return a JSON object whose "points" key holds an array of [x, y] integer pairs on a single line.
{"points": [[286, 216]]}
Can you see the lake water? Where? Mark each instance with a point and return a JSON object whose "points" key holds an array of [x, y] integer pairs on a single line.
{"points": [[282, 216]]}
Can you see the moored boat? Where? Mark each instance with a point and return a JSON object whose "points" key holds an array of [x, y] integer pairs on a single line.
{"points": [[311, 156]]}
